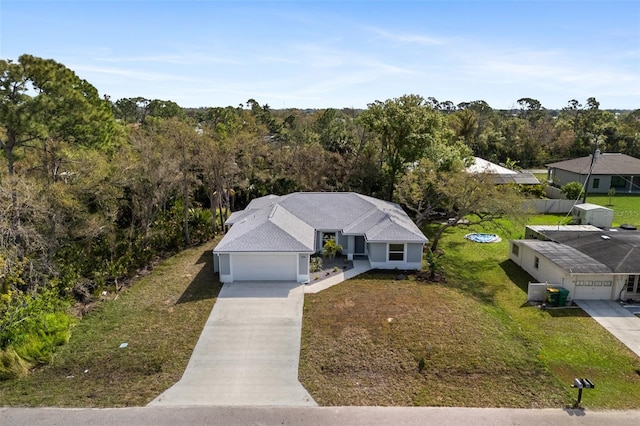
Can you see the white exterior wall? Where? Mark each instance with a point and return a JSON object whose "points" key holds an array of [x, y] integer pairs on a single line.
{"points": [[599, 218], [549, 272]]}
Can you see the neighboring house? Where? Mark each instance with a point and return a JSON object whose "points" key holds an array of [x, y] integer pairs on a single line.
{"points": [[618, 171], [591, 263], [502, 175], [274, 237]]}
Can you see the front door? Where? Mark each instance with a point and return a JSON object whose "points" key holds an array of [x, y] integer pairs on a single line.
{"points": [[633, 286], [360, 245]]}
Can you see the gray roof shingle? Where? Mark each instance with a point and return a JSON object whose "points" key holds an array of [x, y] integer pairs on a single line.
{"points": [[606, 164], [288, 223], [567, 257], [619, 250], [270, 229]]}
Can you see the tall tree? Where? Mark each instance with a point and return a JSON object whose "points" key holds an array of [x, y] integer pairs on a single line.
{"points": [[40, 101], [456, 195], [154, 173], [406, 127]]}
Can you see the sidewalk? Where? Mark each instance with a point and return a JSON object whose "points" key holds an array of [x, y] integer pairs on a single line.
{"points": [[359, 267]]}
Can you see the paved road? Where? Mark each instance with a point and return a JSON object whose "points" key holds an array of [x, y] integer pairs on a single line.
{"points": [[617, 320], [357, 416], [248, 352]]}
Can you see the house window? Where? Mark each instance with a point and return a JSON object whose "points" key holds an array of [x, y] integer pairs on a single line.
{"points": [[396, 252], [536, 262], [515, 249], [631, 284], [326, 236], [596, 183]]}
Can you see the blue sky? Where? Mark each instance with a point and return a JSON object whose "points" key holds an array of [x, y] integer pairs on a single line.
{"points": [[317, 54]]}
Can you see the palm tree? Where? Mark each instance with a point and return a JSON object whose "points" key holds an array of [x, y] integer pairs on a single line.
{"points": [[434, 260], [331, 248]]}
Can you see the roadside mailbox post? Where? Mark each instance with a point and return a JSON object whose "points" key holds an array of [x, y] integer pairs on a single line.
{"points": [[582, 384]]}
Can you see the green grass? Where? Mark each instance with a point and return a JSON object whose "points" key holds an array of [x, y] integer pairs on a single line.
{"points": [[160, 318], [626, 208], [473, 341]]}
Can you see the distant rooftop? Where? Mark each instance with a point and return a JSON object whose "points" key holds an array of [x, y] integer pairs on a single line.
{"points": [[605, 164], [501, 175]]}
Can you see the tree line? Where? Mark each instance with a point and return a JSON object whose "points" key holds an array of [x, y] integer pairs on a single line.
{"points": [[92, 190]]}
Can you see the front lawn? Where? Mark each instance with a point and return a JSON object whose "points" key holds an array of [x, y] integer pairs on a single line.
{"points": [[473, 341], [157, 322]]}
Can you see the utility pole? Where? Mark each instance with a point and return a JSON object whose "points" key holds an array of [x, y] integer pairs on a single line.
{"points": [[594, 157]]}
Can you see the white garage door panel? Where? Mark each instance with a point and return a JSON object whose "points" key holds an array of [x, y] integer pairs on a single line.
{"points": [[592, 292], [265, 267]]}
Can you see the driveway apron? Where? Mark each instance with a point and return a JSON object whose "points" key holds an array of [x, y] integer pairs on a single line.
{"points": [[617, 320], [248, 352]]}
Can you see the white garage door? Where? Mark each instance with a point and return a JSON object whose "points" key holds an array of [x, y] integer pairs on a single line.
{"points": [[264, 267], [592, 290]]}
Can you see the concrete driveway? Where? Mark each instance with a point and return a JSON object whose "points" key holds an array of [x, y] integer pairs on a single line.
{"points": [[248, 352], [617, 320]]}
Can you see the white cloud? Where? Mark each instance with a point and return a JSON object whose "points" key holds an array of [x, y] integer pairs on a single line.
{"points": [[405, 37]]}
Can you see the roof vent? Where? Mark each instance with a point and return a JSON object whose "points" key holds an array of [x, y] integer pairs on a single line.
{"points": [[605, 237]]}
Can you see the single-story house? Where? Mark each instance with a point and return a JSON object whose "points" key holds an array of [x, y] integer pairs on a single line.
{"points": [[275, 236], [590, 262], [502, 175], [610, 170]]}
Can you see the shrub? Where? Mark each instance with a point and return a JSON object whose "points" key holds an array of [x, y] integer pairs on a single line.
{"points": [[315, 264], [31, 327], [572, 190], [11, 365], [331, 248]]}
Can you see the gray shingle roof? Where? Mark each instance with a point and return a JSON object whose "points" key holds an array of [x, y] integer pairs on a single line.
{"points": [[618, 250], [270, 229], [288, 223], [606, 164], [567, 257]]}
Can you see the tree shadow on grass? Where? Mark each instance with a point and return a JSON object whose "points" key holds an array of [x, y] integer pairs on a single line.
{"points": [[467, 280], [567, 312], [517, 275], [386, 275], [205, 285]]}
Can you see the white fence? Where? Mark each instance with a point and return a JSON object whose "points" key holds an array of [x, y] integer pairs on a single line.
{"points": [[548, 206], [553, 192]]}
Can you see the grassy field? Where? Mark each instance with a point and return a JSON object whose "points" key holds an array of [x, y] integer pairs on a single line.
{"points": [[160, 318], [626, 208], [472, 341], [374, 340]]}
